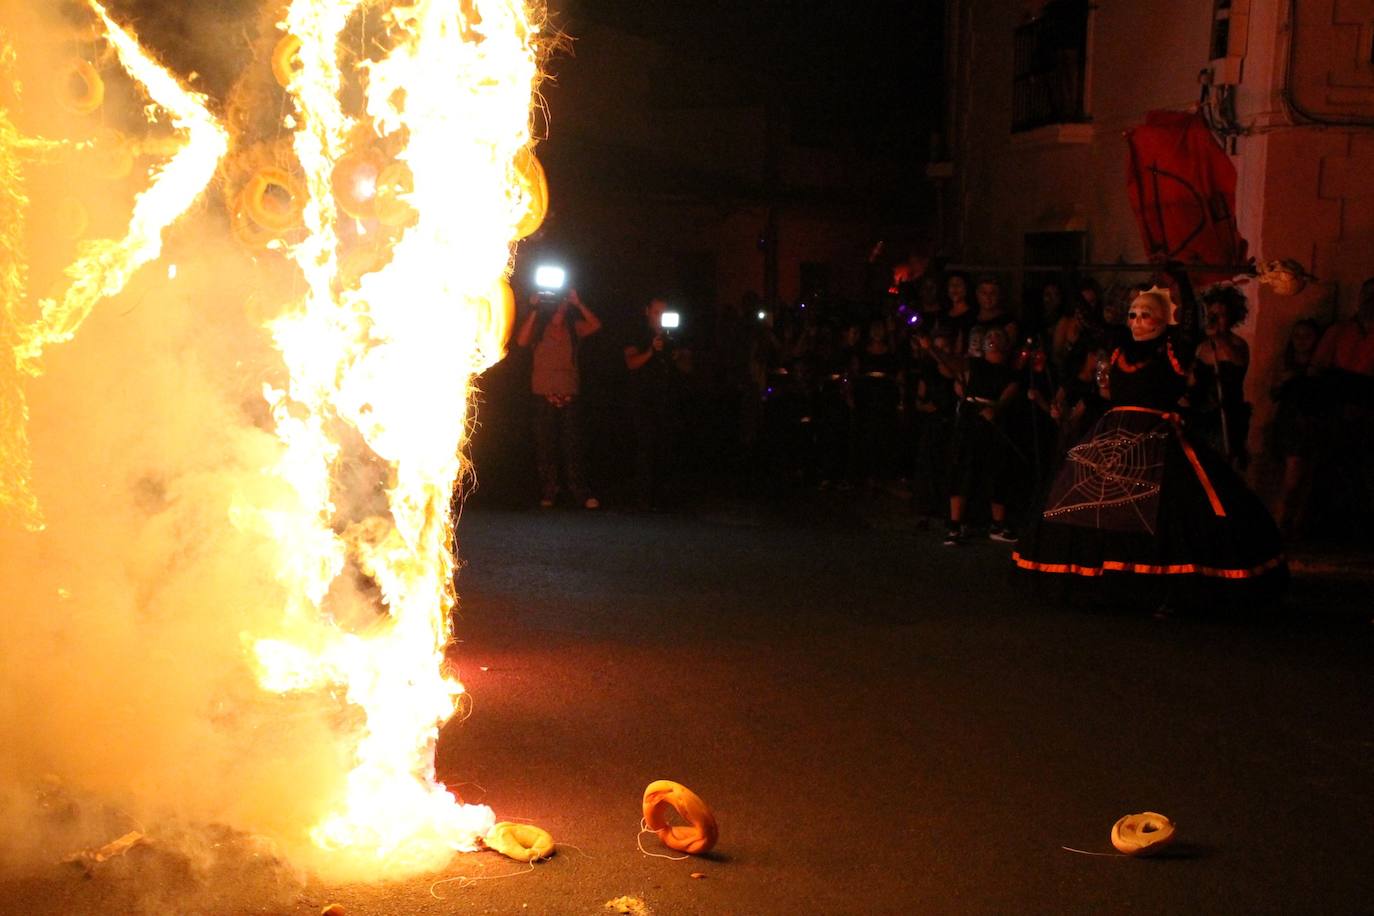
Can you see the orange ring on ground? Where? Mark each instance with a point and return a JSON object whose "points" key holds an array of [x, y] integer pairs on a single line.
{"points": [[1142, 834], [522, 842], [89, 97], [284, 59], [663, 794], [260, 203], [536, 187]]}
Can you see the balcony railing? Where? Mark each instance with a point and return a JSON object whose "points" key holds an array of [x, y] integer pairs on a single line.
{"points": [[1050, 63]]}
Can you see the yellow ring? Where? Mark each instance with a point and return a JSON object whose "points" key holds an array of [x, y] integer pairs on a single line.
{"points": [[522, 842], [663, 794], [535, 184], [92, 93], [247, 230], [284, 59], [113, 155], [258, 202], [1142, 834], [395, 182], [355, 179]]}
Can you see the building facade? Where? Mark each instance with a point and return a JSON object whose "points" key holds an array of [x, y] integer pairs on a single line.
{"points": [[704, 176], [1041, 94]]}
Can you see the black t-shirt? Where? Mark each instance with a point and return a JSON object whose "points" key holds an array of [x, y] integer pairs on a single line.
{"points": [[654, 377], [1002, 321], [986, 381]]}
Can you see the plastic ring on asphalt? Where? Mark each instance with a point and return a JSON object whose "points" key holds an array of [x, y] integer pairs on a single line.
{"points": [[696, 839], [1142, 834], [522, 842]]}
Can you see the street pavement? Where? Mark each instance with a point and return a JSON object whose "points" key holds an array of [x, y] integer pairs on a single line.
{"points": [[881, 725]]}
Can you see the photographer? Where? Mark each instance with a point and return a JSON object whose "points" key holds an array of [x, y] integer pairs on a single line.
{"points": [[553, 329], [656, 362]]}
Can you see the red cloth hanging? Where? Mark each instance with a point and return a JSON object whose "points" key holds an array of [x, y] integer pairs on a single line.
{"points": [[1182, 187]]}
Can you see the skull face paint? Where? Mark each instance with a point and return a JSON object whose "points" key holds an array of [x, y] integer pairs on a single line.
{"points": [[1148, 316]]}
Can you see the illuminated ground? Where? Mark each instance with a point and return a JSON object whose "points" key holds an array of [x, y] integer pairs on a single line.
{"points": [[882, 726]]}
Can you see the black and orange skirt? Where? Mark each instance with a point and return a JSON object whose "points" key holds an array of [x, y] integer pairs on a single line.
{"points": [[1137, 497]]}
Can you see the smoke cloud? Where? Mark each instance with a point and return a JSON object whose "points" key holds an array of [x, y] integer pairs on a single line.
{"points": [[127, 698]]}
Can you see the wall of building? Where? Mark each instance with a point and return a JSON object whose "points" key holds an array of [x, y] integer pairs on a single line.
{"points": [[1305, 190], [1143, 56], [652, 176]]}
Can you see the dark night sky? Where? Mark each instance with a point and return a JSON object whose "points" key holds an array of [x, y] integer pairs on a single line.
{"points": [[866, 67]]}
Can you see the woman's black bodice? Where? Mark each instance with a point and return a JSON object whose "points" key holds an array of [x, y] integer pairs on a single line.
{"points": [[1149, 373]]}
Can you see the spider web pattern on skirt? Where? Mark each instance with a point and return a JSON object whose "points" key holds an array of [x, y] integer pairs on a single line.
{"points": [[1111, 480]]}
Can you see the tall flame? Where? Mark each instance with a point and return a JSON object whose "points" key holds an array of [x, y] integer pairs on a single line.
{"points": [[380, 376], [16, 497], [104, 266]]}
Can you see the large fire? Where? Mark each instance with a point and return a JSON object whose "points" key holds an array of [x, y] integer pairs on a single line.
{"points": [[398, 212]]}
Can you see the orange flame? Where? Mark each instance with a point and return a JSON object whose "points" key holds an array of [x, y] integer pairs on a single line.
{"points": [[390, 361], [104, 266]]}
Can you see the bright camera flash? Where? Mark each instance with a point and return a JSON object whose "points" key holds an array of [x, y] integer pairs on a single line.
{"points": [[547, 276]]}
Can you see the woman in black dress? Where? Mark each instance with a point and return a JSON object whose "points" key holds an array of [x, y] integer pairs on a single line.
{"points": [[1138, 496]]}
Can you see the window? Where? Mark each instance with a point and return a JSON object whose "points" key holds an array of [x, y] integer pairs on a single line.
{"points": [[1050, 66], [1221, 29]]}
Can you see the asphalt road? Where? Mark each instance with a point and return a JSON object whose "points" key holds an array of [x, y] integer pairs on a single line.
{"points": [[881, 725]]}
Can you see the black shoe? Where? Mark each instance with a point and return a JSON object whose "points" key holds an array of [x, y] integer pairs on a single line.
{"points": [[1002, 533], [952, 536]]}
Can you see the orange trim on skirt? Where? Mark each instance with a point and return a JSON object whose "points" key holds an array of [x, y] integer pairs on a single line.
{"points": [[1178, 569]]}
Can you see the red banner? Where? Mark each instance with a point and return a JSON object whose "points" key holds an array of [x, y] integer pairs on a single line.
{"points": [[1182, 187]]}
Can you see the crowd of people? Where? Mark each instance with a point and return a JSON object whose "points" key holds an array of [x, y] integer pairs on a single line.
{"points": [[941, 394], [944, 395]]}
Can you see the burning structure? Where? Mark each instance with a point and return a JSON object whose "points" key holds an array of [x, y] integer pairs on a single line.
{"points": [[243, 334]]}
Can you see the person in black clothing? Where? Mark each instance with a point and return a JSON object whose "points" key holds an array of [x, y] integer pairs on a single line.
{"points": [[981, 457], [877, 397], [1296, 434], [655, 360], [933, 411], [1220, 415], [832, 405], [992, 312], [1138, 496]]}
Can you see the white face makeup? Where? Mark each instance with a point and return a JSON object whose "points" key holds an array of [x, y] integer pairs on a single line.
{"points": [[1146, 318]]}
